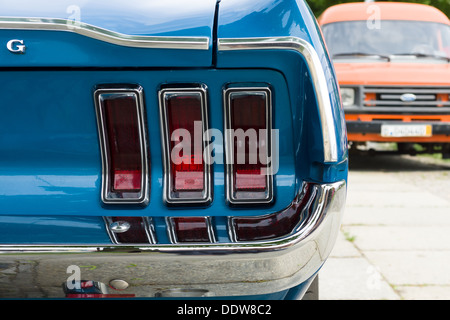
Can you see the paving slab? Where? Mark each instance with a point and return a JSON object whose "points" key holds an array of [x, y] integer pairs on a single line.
{"points": [[406, 238], [395, 236], [399, 216], [395, 199], [344, 248], [424, 292], [353, 279], [409, 267]]}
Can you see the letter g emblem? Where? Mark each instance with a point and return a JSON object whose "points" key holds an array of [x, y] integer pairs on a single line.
{"points": [[16, 46]]}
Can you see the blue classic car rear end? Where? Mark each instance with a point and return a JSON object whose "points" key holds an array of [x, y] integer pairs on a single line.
{"points": [[167, 150]]}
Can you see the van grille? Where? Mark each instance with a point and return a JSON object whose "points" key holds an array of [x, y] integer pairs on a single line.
{"points": [[424, 97]]}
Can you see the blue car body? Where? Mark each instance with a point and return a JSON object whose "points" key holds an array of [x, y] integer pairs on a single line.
{"points": [[51, 172]]}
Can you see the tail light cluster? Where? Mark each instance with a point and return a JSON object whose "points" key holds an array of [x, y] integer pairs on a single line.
{"points": [[120, 113], [138, 230], [187, 175], [184, 120], [184, 132], [248, 145]]}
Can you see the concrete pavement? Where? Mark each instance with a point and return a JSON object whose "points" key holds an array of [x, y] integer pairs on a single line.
{"points": [[395, 238]]}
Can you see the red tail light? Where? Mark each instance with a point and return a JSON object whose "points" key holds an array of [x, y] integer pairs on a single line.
{"points": [[191, 229], [120, 114], [183, 112], [273, 225], [137, 230], [183, 125], [248, 143]]}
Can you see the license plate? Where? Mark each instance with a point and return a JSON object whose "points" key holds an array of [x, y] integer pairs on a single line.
{"points": [[406, 130]]}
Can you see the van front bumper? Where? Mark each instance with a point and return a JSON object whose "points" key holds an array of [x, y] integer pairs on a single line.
{"points": [[216, 269], [367, 127]]}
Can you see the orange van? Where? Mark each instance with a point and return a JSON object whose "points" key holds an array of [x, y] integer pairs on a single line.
{"points": [[392, 64]]}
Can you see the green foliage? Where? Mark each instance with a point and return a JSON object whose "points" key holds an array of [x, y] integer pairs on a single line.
{"points": [[318, 6]]}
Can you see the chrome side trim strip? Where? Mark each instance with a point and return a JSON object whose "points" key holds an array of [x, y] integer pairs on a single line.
{"points": [[182, 198], [231, 197], [317, 75], [137, 92], [87, 30]]}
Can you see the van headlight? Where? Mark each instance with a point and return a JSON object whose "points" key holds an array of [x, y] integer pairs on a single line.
{"points": [[348, 97]]}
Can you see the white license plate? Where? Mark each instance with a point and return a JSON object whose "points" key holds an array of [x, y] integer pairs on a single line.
{"points": [[406, 130]]}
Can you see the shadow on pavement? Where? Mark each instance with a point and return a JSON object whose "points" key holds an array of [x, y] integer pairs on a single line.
{"points": [[365, 161]]}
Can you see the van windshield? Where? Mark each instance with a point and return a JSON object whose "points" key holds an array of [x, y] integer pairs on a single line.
{"points": [[388, 38]]}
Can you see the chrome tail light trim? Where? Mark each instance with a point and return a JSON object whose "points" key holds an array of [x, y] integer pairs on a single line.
{"points": [[188, 198], [137, 93], [249, 198]]}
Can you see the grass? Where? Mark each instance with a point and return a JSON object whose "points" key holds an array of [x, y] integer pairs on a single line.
{"points": [[349, 237], [436, 156]]}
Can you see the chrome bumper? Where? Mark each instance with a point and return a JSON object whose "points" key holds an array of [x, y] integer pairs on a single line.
{"points": [[215, 269]]}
